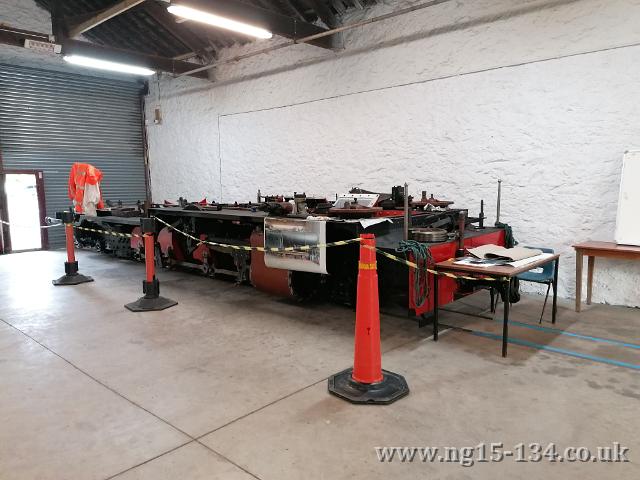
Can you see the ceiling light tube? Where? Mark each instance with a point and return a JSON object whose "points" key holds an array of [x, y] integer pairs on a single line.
{"points": [[218, 21], [106, 65]]}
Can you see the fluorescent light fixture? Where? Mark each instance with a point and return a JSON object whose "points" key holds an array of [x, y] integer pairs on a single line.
{"points": [[217, 21], [105, 65]]}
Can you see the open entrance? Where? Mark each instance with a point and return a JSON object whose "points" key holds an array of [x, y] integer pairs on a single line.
{"points": [[22, 206]]}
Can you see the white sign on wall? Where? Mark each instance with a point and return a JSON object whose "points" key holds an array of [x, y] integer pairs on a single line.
{"points": [[627, 224]]}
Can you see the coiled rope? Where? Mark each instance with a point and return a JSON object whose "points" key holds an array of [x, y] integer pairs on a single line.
{"points": [[422, 257]]}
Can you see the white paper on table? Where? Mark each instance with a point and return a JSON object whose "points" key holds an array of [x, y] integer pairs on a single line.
{"points": [[526, 261], [473, 262], [367, 222]]}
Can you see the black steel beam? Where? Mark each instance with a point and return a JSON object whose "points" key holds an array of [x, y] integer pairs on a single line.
{"points": [[154, 62], [324, 13], [274, 22], [292, 9], [58, 23], [15, 39]]}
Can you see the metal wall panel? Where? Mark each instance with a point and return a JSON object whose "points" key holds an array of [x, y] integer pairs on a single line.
{"points": [[49, 120]]}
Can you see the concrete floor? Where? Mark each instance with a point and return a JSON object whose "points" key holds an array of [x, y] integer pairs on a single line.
{"points": [[231, 384]]}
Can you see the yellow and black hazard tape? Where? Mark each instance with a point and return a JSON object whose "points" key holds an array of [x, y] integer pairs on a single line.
{"points": [[369, 266], [436, 272], [108, 232], [301, 248], [28, 226]]}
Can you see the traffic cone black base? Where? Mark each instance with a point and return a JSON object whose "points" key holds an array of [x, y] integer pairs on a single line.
{"points": [[71, 276], [391, 388], [145, 304], [151, 301]]}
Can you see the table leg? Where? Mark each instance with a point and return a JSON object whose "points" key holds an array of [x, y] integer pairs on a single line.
{"points": [[555, 291], [591, 260], [578, 279], [435, 306], [505, 324]]}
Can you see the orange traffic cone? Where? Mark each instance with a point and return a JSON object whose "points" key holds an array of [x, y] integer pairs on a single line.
{"points": [[152, 301], [367, 382], [71, 275]]}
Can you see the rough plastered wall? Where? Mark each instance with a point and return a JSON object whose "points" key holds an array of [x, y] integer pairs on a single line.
{"points": [[28, 15], [542, 94], [25, 14]]}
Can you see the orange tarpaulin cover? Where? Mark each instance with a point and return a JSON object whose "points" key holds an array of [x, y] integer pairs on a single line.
{"points": [[82, 174]]}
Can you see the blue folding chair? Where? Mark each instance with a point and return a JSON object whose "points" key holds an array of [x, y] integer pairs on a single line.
{"points": [[544, 277]]}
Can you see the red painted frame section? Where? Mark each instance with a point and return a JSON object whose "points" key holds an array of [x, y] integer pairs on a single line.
{"points": [[448, 287]]}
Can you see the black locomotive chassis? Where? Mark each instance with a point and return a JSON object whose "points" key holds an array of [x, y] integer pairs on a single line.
{"points": [[117, 245], [234, 227]]}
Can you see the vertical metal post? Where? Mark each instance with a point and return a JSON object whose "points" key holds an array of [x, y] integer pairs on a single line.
{"points": [[435, 306], [406, 212], [505, 325], [555, 292], [590, 266], [462, 222], [498, 202]]}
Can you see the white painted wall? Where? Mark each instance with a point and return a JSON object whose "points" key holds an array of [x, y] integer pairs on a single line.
{"points": [[28, 15], [25, 14], [542, 94]]}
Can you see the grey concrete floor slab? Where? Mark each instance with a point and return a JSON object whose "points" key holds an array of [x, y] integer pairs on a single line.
{"points": [[190, 462], [180, 362], [245, 374], [462, 393], [58, 423]]}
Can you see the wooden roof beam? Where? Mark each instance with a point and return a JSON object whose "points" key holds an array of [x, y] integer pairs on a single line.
{"points": [[102, 16]]}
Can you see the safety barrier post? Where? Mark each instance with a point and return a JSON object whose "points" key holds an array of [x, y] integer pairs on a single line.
{"points": [[71, 276], [152, 301], [367, 382]]}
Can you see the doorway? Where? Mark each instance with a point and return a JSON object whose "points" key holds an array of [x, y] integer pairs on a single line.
{"points": [[22, 207]]}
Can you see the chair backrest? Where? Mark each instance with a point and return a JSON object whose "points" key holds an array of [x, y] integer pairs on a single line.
{"points": [[547, 269]]}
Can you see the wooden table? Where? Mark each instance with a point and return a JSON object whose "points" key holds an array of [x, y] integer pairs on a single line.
{"points": [[504, 275], [598, 249]]}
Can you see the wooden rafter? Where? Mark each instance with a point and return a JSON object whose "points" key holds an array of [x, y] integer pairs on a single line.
{"points": [[102, 16]]}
